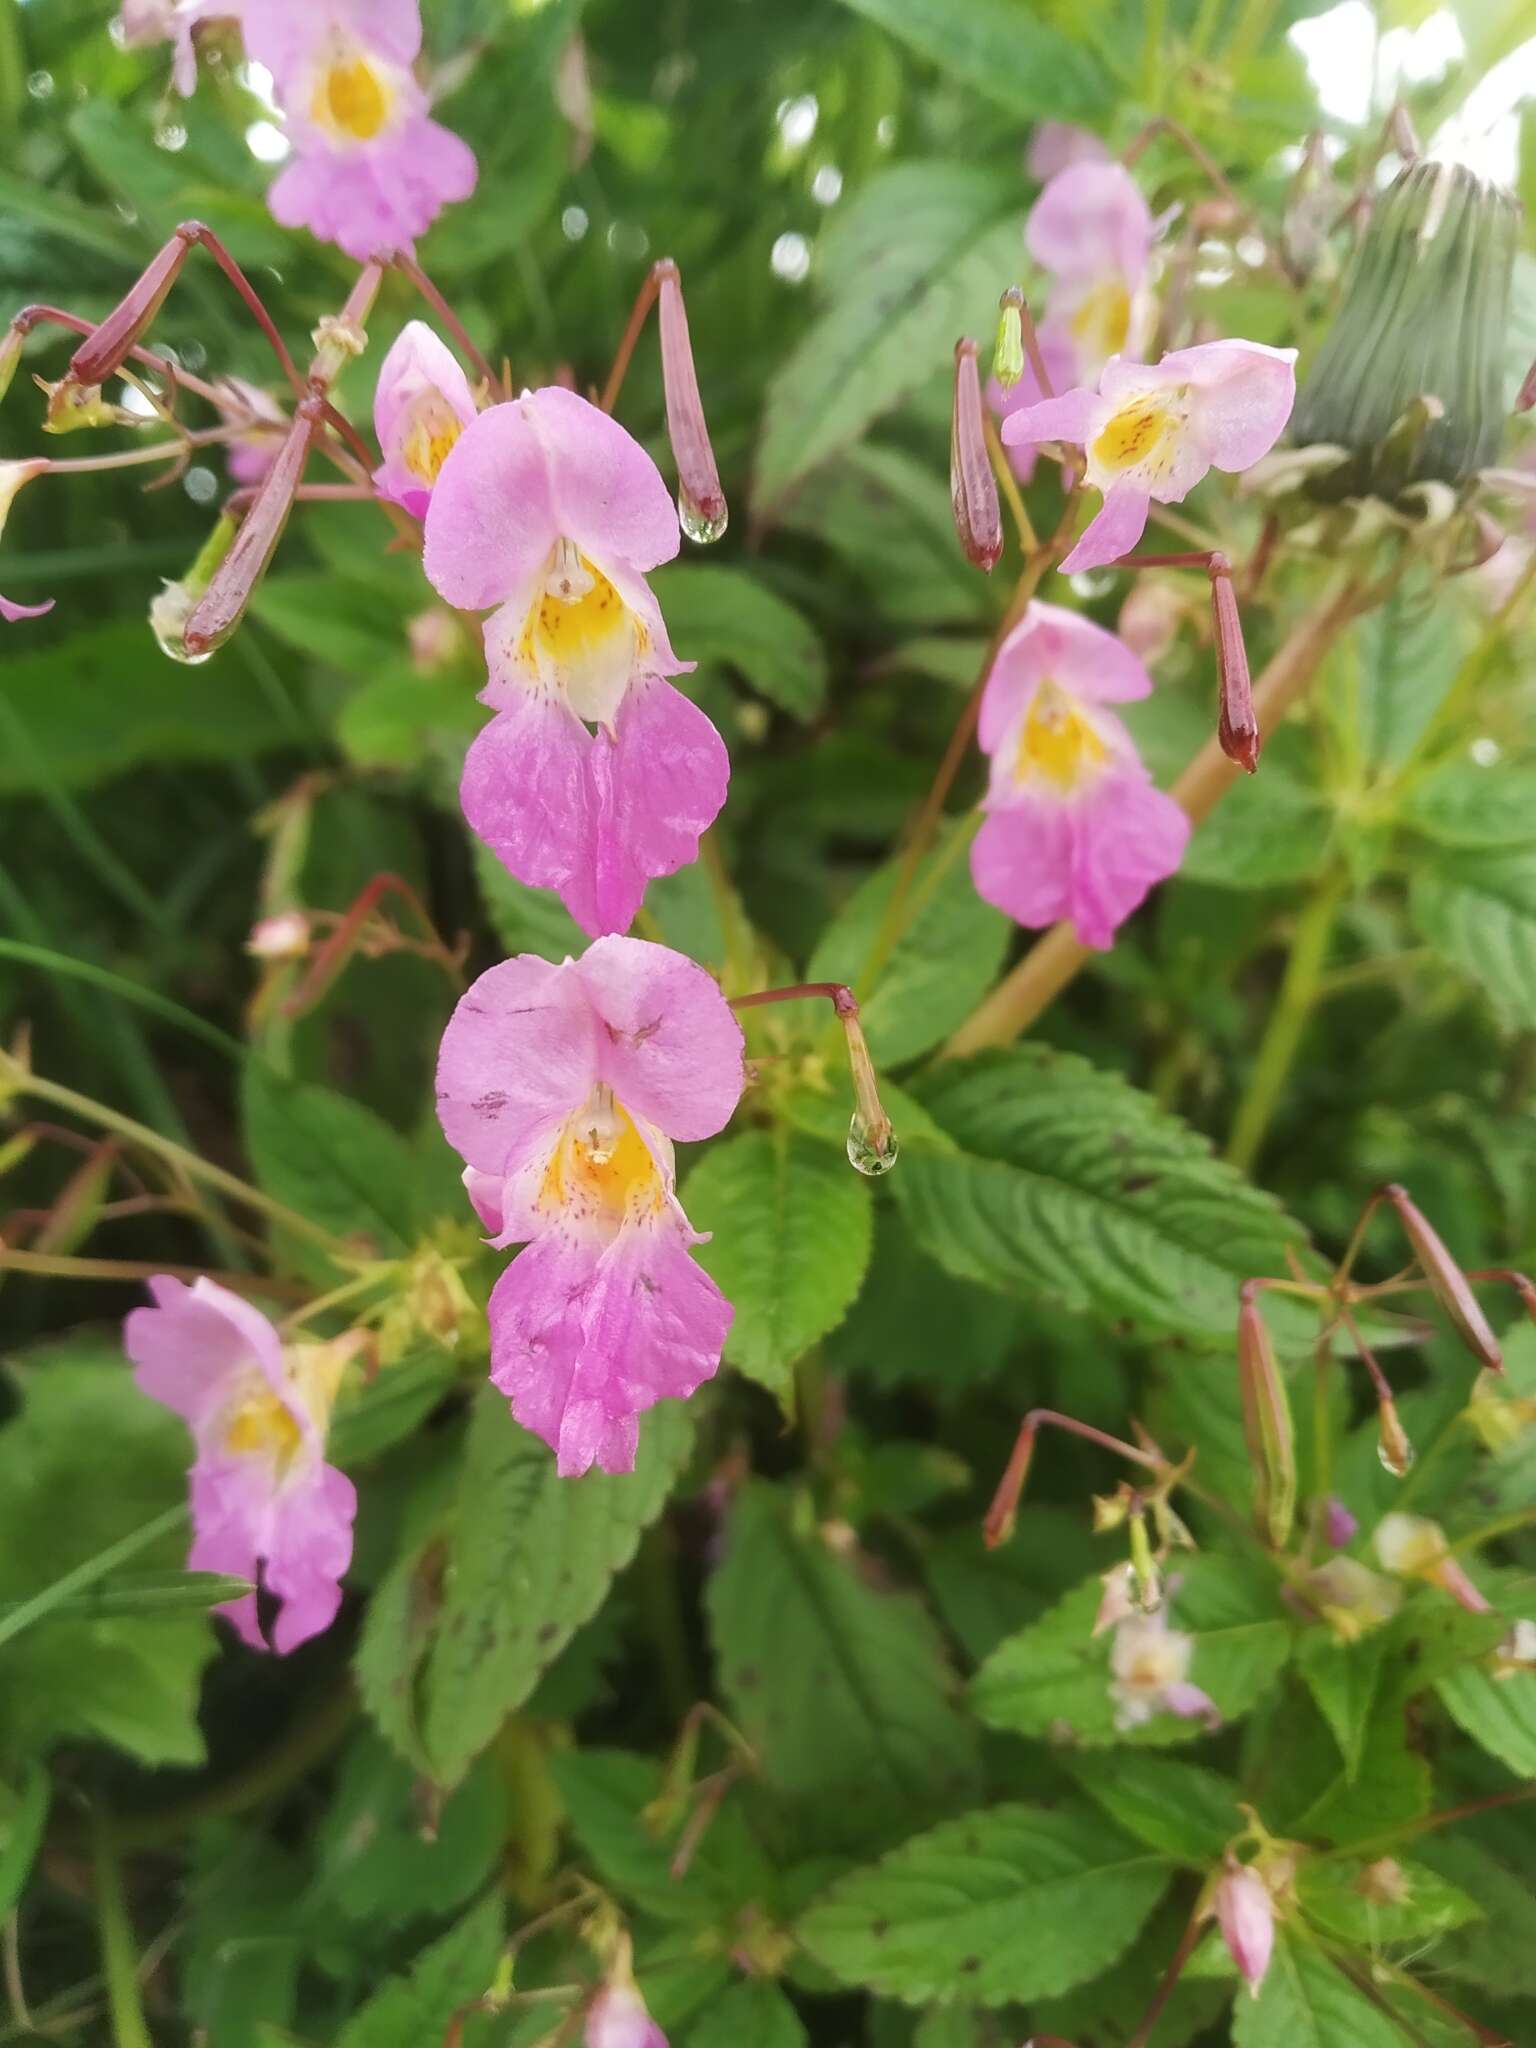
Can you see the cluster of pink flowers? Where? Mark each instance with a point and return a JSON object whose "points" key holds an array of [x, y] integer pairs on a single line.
{"points": [[370, 170]]}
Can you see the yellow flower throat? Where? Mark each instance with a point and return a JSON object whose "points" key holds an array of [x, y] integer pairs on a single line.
{"points": [[1058, 744]]}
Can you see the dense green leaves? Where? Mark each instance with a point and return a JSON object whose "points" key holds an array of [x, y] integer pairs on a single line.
{"points": [[723, 615], [1478, 910], [842, 1690], [1009, 1903], [445, 1979], [1306, 2001], [464, 1625], [911, 263], [329, 1158], [791, 1223], [1072, 1188], [1001, 49], [1499, 1713]]}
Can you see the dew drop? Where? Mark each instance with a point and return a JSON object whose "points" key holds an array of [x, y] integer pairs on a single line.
{"points": [[40, 85], [1396, 1459], [170, 135], [864, 1156], [698, 524], [168, 617]]}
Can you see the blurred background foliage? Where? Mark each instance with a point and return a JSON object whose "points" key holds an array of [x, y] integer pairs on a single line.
{"points": [[843, 187]]}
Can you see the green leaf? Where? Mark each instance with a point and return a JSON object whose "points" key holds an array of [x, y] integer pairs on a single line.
{"points": [[458, 1967], [23, 1817], [1343, 1679], [1408, 655], [1468, 806], [752, 2014], [792, 1231], [1333, 1899], [1008, 1903], [1051, 1681], [1498, 1951], [1479, 912], [529, 1558], [844, 1692], [346, 624], [1072, 1188], [1272, 831], [900, 1331], [131, 1593], [329, 1158], [1498, 1713], [1179, 1809], [1306, 2001], [724, 615], [107, 701], [1003, 49], [914, 260], [396, 719], [942, 964], [86, 1463], [374, 1862], [526, 920], [887, 517]]}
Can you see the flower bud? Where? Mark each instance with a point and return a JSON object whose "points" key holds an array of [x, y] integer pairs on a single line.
{"points": [[222, 606], [1351, 1598], [1415, 1548], [1447, 1281], [1008, 350], [170, 611], [10, 356], [617, 2018], [283, 936], [1339, 1525], [1238, 726], [1267, 1426], [105, 350], [1423, 315], [701, 505], [1246, 1916], [1394, 1447], [972, 486]]}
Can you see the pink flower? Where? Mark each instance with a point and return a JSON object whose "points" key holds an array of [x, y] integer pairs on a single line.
{"points": [[420, 407], [617, 2018], [155, 21], [12, 476], [262, 1493], [1246, 1916], [1053, 145], [563, 1089], [371, 170], [1092, 231], [548, 510], [1149, 1674], [1154, 432], [253, 451], [1074, 825]]}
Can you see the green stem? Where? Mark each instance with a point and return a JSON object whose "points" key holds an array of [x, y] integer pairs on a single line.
{"points": [[187, 1162], [119, 1955], [1299, 990], [83, 1575], [130, 991]]}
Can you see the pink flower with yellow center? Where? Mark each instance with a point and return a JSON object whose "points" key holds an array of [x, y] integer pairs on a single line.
{"points": [[1074, 827], [595, 774], [12, 476], [263, 1497], [563, 1089], [371, 169], [1149, 1674], [421, 405], [1153, 431], [1092, 231]]}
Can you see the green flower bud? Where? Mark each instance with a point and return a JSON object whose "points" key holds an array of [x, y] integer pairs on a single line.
{"points": [[1410, 380]]}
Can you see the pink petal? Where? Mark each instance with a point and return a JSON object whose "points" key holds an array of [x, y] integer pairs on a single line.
{"points": [[1090, 223], [1050, 641], [492, 520], [1242, 395], [519, 1056], [670, 1048], [527, 792], [1071, 416], [584, 1339], [1189, 1703], [657, 784], [376, 199], [311, 1546], [417, 363], [1112, 532], [186, 1347], [1053, 145], [1021, 862], [11, 611], [487, 1197], [609, 496], [230, 1503], [287, 37]]}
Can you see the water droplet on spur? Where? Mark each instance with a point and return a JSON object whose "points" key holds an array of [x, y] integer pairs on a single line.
{"points": [[864, 1156], [700, 525], [1396, 1459]]}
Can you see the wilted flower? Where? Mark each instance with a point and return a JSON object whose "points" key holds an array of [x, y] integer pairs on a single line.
{"points": [[550, 511], [563, 1087], [1351, 1598], [1149, 1665], [421, 405], [617, 2018], [1074, 826], [12, 476], [371, 170], [1245, 1914], [1415, 1548], [262, 1493], [1092, 231], [1154, 431]]}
